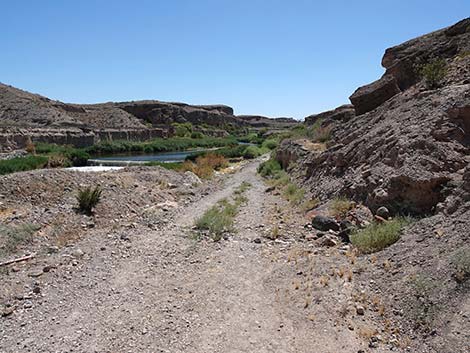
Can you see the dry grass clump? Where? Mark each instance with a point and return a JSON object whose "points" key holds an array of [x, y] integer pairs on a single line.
{"points": [[205, 165], [11, 237], [340, 207]]}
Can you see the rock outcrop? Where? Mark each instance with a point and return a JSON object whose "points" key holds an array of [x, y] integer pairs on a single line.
{"points": [[407, 143], [341, 114], [408, 151], [402, 65]]}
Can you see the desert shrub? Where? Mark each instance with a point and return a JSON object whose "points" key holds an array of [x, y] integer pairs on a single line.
{"points": [[461, 261], [424, 308], [205, 165], [340, 207], [280, 178], [269, 168], [294, 194], [21, 164], [322, 134], [378, 236], [13, 236], [270, 144], [78, 157], [232, 152], [160, 145], [310, 204], [75, 156], [215, 160], [196, 135], [183, 129], [254, 152], [58, 160], [30, 147], [251, 152], [166, 165], [434, 72], [216, 220], [251, 138], [88, 198]]}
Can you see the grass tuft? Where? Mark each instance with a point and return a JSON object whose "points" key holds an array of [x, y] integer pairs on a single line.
{"points": [[218, 219], [378, 236], [88, 198]]}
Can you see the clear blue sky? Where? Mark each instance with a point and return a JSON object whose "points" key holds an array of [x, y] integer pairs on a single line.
{"points": [[270, 57]]}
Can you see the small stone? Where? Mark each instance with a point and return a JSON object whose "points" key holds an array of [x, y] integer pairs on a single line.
{"points": [[360, 310], [77, 253], [36, 290], [8, 311], [257, 240], [329, 241], [383, 212], [28, 304], [36, 274], [48, 268]]}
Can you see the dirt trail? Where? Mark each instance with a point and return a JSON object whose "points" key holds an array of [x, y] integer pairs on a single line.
{"points": [[165, 292]]}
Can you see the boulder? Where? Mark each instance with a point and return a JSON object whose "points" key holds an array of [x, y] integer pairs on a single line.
{"points": [[325, 223], [342, 113], [369, 97], [383, 212]]}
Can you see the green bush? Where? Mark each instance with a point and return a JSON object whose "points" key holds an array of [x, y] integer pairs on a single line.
{"points": [[378, 236], [79, 158], [270, 144], [197, 135], [88, 198], [76, 156], [254, 152], [21, 164], [160, 145], [269, 168], [183, 129], [166, 165], [434, 72], [232, 152]]}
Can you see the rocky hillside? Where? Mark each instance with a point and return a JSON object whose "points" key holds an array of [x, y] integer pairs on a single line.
{"points": [[23, 115], [404, 144]]}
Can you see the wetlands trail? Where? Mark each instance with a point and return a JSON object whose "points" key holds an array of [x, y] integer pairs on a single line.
{"points": [[163, 291]]}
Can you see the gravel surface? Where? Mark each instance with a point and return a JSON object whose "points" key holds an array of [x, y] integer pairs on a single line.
{"points": [[141, 288]]}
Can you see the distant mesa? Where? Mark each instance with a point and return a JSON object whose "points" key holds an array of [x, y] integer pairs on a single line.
{"points": [[25, 116]]}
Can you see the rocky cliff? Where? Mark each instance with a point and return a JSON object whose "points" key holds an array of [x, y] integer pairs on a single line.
{"points": [[406, 147], [400, 147], [24, 115]]}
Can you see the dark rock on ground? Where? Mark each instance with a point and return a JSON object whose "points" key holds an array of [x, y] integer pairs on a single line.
{"points": [[325, 223]]}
